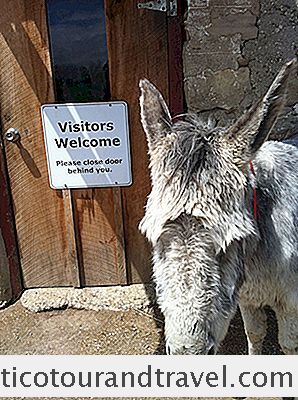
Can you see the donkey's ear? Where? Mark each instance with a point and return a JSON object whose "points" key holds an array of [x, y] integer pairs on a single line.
{"points": [[247, 135], [155, 115]]}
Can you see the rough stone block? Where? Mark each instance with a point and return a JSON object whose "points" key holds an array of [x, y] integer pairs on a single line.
{"points": [[252, 6], [221, 89], [213, 53], [227, 22], [234, 51], [198, 3], [198, 20], [213, 44]]}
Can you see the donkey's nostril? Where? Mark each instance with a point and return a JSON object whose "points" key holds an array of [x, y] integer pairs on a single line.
{"points": [[211, 351]]}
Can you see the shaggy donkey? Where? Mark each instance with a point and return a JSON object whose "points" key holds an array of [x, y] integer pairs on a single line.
{"points": [[210, 251]]}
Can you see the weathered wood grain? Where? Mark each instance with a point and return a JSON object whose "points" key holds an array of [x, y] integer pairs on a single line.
{"points": [[84, 237], [10, 273], [25, 84], [100, 236], [137, 43], [73, 274]]}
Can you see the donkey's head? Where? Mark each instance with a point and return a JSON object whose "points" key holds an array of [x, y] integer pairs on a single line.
{"points": [[197, 213]]}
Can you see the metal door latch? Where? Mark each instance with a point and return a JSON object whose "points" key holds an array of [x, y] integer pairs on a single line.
{"points": [[12, 135], [168, 6]]}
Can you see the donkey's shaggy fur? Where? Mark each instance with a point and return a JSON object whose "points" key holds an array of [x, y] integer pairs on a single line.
{"points": [[209, 251]]}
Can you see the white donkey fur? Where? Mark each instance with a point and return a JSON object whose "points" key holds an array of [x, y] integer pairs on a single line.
{"points": [[210, 253]]}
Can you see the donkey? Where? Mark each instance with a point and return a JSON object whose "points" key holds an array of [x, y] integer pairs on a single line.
{"points": [[210, 252]]}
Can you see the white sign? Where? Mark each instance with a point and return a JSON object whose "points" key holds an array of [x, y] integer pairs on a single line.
{"points": [[87, 144]]}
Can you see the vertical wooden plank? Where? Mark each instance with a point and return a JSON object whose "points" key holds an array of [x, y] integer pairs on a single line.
{"points": [[13, 286], [100, 236], [99, 228], [119, 231], [137, 43], [72, 252], [25, 84]]}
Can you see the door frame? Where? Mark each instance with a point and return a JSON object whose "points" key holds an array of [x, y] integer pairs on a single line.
{"points": [[8, 233]]}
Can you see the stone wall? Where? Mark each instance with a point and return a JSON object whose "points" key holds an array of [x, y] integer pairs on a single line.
{"points": [[234, 48]]}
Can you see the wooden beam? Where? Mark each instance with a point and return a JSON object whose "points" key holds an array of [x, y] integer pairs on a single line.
{"points": [[98, 215], [11, 287], [73, 268]]}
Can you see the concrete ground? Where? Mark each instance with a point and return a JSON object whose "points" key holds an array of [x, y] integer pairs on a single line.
{"points": [[73, 331]]}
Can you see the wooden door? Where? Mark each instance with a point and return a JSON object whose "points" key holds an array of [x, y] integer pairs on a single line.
{"points": [[80, 237], [46, 247]]}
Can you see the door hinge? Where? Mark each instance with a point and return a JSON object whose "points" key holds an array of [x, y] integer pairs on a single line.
{"points": [[168, 6]]}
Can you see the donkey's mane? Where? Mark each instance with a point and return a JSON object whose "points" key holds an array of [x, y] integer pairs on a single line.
{"points": [[193, 137]]}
